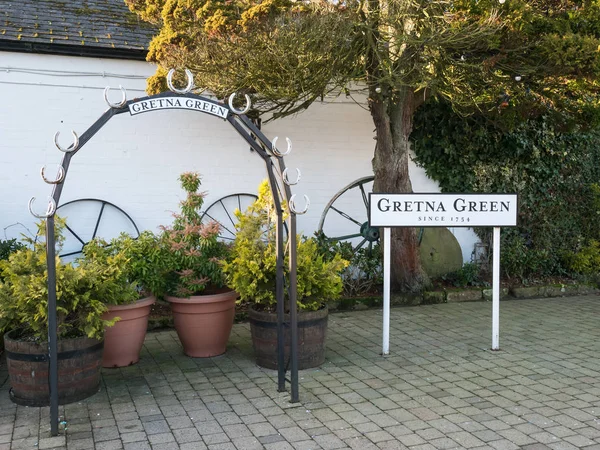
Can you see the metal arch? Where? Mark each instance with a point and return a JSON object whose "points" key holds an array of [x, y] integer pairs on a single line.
{"points": [[59, 177], [118, 104], [287, 181], [185, 90], [72, 147], [49, 212], [260, 144], [239, 112], [279, 153], [292, 205]]}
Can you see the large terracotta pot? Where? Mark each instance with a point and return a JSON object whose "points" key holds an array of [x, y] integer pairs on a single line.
{"points": [[79, 366], [123, 341], [203, 322], [312, 332]]}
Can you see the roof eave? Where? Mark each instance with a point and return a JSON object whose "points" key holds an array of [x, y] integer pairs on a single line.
{"points": [[73, 50]]}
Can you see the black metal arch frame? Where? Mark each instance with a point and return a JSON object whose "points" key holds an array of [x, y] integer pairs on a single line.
{"points": [[275, 167]]}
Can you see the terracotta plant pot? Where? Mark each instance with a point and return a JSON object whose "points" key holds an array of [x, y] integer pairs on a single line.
{"points": [[203, 322], [123, 341], [312, 332], [79, 366]]}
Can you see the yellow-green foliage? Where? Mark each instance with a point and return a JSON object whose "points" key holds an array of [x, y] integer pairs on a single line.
{"points": [[587, 260], [80, 294], [251, 270]]}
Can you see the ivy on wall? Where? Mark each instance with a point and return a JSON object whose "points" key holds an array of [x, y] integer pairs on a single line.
{"points": [[556, 174]]}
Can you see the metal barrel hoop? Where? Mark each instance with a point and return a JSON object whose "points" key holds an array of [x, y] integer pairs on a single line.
{"points": [[49, 212], [69, 149], [59, 178], [239, 112], [118, 104], [287, 181], [292, 205], [279, 153], [187, 89]]}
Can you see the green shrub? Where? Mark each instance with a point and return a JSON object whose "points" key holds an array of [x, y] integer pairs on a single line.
{"points": [[587, 260], [469, 275], [364, 274], [81, 293], [9, 246], [144, 264], [190, 249], [554, 171], [251, 268]]}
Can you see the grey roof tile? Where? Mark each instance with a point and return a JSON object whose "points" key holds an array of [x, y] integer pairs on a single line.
{"points": [[94, 23]]}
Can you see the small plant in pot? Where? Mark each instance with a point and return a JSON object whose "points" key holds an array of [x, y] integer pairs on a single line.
{"points": [[203, 307], [251, 271], [142, 278], [7, 247], [81, 293]]}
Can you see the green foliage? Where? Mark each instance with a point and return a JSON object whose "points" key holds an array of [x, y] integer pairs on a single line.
{"points": [[553, 170], [251, 268], [9, 246], [468, 275], [364, 274], [587, 260], [467, 52], [190, 249], [139, 262], [80, 293], [146, 265]]}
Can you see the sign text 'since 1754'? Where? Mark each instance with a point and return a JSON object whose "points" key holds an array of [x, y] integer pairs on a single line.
{"points": [[442, 210]]}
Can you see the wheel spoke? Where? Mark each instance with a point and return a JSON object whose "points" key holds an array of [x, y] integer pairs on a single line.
{"points": [[348, 236], [361, 244], [224, 227], [99, 219], [74, 234], [364, 196], [227, 212], [346, 216]]}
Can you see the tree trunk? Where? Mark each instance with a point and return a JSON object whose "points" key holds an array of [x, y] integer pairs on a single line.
{"points": [[393, 119]]}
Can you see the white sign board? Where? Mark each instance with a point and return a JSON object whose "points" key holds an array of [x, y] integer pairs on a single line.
{"points": [[153, 104], [442, 210]]}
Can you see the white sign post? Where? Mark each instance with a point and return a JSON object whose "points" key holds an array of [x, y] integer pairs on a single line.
{"points": [[442, 210]]}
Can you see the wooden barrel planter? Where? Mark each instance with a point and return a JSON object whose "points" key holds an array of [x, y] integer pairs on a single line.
{"points": [[79, 366], [312, 332]]}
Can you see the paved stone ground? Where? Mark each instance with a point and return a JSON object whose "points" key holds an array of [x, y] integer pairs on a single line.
{"points": [[441, 388]]}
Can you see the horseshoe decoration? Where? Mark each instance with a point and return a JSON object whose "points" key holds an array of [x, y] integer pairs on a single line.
{"points": [[59, 178], [276, 151], [292, 205], [73, 146], [286, 179], [118, 104], [185, 90], [49, 212], [239, 112]]}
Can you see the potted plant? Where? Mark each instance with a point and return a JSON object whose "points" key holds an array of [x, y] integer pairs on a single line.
{"points": [[80, 296], [7, 247], [251, 271], [141, 266], [203, 307]]}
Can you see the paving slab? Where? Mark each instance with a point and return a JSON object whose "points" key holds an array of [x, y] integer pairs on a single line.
{"points": [[440, 387]]}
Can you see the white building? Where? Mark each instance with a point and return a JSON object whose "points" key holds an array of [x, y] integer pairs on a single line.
{"points": [[54, 65]]}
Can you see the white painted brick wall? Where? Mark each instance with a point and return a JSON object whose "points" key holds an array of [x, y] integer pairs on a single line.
{"points": [[134, 162]]}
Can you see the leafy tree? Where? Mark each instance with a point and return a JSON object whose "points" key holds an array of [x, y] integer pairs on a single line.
{"points": [[484, 54]]}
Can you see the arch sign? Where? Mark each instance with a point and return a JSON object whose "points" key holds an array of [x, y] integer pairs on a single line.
{"points": [[277, 175], [442, 210]]}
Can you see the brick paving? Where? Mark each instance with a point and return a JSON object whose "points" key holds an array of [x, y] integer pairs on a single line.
{"points": [[441, 388]]}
